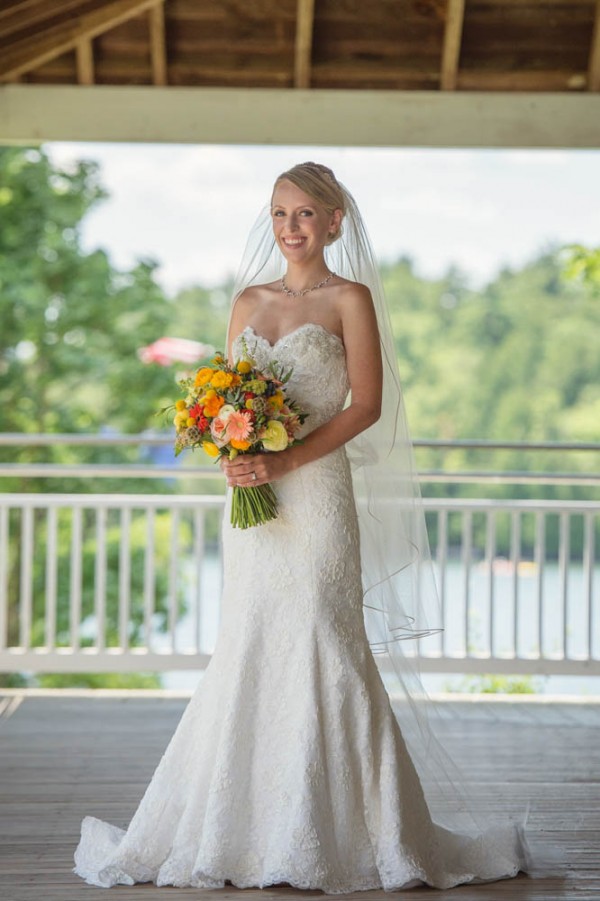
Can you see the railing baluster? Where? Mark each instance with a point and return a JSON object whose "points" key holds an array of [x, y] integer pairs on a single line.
{"points": [[51, 576], [173, 574], [588, 579], [26, 580], [515, 557], [4, 562], [563, 559], [124, 577], [100, 578], [442, 559], [467, 542], [540, 561], [490, 553], [198, 552], [149, 578], [75, 600]]}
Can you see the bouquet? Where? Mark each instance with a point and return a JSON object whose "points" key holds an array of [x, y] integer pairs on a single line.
{"points": [[231, 410]]}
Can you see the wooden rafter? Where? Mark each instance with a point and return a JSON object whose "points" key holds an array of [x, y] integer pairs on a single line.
{"points": [[158, 45], [85, 61], [455, 13], [305, 16], [594, 59], [28, 53]]}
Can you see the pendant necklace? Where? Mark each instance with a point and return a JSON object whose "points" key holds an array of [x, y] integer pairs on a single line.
{"points": [[291, 293]]}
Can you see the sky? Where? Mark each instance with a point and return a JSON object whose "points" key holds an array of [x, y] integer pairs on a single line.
{"points": [[190, 207]]}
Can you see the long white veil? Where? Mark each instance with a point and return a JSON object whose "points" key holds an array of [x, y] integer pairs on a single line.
{"points": [[400, 600]]}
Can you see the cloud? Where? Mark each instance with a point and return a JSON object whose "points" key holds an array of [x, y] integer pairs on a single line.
{"points": [[191, 206]]}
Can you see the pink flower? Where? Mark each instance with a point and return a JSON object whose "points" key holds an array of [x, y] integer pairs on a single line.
{"points": [[217, 430], [239, 425]]}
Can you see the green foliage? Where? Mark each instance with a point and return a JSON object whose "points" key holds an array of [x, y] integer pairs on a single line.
{"points": [[582, 264], [71, 323], [98, 680], [496, 684]]}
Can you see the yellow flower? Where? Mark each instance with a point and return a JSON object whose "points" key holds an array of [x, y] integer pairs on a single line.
{"points": [[243, 366], [276, 399], [211, 449], [190, 421], [203, 376], [276, 437], [240, 445], [217, 358], [180, 405], [221, 379]]}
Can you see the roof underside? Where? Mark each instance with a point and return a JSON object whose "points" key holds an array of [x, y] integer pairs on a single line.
{"points": [[471, 45]]}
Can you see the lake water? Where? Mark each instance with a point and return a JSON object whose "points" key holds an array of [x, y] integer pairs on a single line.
{"points": [[454, 638]]}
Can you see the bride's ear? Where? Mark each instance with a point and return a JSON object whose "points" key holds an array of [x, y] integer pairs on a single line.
{"points": [[335, 222]]}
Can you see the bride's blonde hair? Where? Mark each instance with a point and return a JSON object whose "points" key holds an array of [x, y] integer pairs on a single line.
{"points": [[319, 182]]}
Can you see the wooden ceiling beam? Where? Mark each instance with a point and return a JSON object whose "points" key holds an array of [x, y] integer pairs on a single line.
{"points": [[158, 44], [305, 17], [593, 80], [455, 14], [32, 15], [336, 117], [30, 52], [85, 61]]}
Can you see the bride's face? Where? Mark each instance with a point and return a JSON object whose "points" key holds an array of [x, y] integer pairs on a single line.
{"points": [[301, 225]]}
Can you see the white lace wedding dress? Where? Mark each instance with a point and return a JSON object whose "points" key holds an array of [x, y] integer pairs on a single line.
{"points": [[288, 764]]}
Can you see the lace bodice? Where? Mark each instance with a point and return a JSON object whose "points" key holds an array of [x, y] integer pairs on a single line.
{"points": [[319, 381]]}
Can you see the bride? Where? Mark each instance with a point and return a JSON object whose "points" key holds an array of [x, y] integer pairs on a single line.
{"points": [[289, 764]]}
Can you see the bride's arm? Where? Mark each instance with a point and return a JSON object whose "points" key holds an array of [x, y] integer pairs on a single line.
{"points": [[364, 365]]}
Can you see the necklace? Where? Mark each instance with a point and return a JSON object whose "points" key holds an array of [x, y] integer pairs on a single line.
{"points": [[291, 293]]}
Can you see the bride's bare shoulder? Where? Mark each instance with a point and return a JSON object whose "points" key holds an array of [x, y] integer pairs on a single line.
{"points": [[256, 293], [351, 294]]}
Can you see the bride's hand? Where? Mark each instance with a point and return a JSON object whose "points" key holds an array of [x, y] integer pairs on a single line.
{"points": [[268, 467]]}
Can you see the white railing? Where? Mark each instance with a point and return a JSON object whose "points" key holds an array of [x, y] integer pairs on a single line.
{"points": [[101, 582]]}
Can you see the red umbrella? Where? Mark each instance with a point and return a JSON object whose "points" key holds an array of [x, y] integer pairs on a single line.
{"points": [[166, 351]]}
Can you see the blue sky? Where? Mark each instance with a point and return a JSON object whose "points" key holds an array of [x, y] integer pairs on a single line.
{"points": [[190, 206]]}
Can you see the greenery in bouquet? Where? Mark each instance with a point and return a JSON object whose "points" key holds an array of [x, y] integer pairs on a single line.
{"points": [[230, 410]]}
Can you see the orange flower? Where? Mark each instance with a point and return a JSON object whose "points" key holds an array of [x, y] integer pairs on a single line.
{"points": [[213, 405], [240, 445]]}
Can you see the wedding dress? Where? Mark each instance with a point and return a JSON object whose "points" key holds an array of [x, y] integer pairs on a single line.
{"points": [[288, 764]]}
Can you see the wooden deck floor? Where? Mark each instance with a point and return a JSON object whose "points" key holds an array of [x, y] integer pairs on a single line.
{"points": [[65, 756]]}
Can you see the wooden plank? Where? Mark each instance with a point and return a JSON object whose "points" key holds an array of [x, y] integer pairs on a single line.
{"points": [[455, 13], [31, 113], [158, 47], [593, 78], [85, 61], [64, 756], [29, 52], [303, 45]]}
